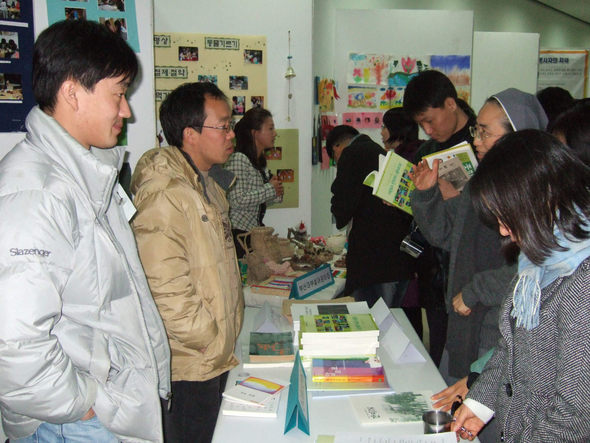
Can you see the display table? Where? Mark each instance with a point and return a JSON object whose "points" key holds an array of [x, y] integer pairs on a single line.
{"points": [[328, 416], [257, 300]]}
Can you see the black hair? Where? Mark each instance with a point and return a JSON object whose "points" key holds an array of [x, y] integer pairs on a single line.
{"points": [[338, 135], [429, 89], [554, 101], [185, 108], [400, 126], [574, 125], [530, 182], [505, 120], [252, 120], [80, 50]]}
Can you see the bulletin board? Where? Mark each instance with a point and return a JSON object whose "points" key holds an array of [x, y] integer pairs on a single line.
{"points": [[403, 41], [119, 16], [236, 64], [283, 161], [565, 68], [16, 57]]}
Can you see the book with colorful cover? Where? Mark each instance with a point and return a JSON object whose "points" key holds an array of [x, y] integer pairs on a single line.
{"points": [[351, 367], [392, 181], [275, 285], [271, 347], [253, 390], [350, 386], [339, 326]]}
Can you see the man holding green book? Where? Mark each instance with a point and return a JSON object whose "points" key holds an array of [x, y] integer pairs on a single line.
{"points": [[375, 265]]}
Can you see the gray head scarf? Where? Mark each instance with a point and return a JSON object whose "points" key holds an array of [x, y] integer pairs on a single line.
{"points": [[524, 111]]}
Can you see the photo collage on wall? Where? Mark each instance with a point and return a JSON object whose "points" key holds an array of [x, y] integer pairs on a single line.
{"points": [[16, 54], [236, 64], [117, 15]]}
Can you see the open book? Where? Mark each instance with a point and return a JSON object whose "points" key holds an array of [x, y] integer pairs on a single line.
{"points": [[458, 164], [392, 181]]}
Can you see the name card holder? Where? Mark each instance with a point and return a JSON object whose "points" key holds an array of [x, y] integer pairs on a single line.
{"points": [[312, 282]]}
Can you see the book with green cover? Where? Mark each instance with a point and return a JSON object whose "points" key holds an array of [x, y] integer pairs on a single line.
{"points": [[338, 325], [458, 164], [392, 182], [269, 346]]}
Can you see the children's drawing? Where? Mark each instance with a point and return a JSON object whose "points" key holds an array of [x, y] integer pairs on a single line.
{"points": [[368, 69], [326, 94], [458, 69], [362, 97]]}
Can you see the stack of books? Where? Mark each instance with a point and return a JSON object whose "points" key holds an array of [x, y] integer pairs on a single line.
{"points": [[342, 352], [296, 310], [338, 336], [350, 370], [275, 285]]}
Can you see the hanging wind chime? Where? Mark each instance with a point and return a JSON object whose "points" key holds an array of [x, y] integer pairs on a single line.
{"points": [[289, 75]]}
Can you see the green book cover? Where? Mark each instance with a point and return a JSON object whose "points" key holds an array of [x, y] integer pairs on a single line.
{"points": [[359, 324], [273, 344], [392, 181]]}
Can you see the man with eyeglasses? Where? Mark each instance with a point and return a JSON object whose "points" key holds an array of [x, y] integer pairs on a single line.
{"points": [[479, 276], [185, 244]]}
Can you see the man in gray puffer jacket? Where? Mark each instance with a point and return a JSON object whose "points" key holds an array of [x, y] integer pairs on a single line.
{"points": [[83, 351]]}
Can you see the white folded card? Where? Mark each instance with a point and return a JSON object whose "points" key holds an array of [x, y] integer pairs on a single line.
{"points": [[391, 337]]}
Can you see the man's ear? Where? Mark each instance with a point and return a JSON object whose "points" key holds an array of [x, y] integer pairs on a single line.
{"points": [[67, 93], [450, 104], [190, 136]]}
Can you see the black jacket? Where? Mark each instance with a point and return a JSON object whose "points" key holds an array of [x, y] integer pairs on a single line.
{"points": [[377, 229]]}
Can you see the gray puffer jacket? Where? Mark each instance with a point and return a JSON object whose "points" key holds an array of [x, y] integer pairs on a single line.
{"points": [[78, 326]]}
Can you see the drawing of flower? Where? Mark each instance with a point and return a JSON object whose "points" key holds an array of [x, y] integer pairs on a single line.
{"points": [[408, 64], [357, 74]]}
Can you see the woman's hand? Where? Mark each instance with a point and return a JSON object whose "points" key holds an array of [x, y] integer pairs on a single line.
{"points": [[274, 180], [444, 399], [459, 305], [466, 424], [424, 177]]}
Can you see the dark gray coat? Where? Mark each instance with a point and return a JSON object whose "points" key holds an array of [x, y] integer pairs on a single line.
{"points": [[538, 380], [476, 268]]}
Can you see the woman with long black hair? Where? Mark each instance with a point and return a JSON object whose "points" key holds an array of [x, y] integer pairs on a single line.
{"points": [[255, 187], [537, 192]]}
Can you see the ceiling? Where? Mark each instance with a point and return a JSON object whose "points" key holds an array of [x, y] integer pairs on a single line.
{"points": [[579, 9]]}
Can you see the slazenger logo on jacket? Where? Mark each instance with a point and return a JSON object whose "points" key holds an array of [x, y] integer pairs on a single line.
{"points": [[33, 251]]}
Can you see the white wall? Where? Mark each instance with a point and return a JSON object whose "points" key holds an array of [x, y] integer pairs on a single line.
{"points": [[272, 18], [519, 67]]}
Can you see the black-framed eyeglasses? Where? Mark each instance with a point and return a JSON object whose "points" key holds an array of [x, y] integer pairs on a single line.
{"points": [[227, 128]]}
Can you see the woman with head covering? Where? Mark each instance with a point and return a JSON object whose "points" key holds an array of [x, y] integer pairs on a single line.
{"points": [[536, 192]]}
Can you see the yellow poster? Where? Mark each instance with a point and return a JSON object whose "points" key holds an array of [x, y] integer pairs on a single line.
{"points": [[283, 161], [236, 64]]}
